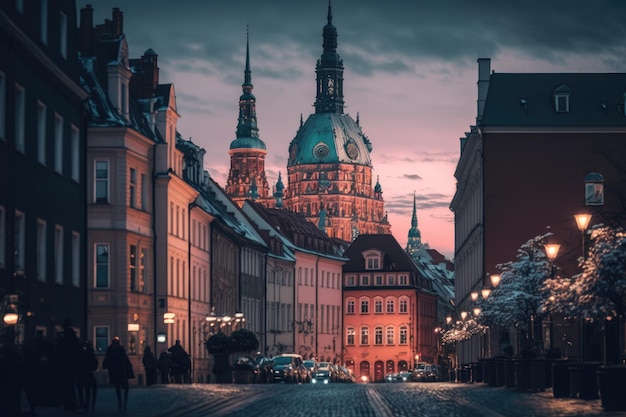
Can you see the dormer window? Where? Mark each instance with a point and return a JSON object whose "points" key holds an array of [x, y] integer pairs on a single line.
{"points": [[561, 98]]}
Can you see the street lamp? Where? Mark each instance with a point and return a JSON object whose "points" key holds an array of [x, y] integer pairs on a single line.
{"points": [[552, 250], [495, 280], [582, 221]]}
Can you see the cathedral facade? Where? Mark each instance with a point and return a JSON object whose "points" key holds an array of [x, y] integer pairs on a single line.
{"points": [[329, 167], [329, 171]]}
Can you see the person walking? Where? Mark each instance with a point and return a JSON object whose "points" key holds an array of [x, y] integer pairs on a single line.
{"points": [[87, 384], [67, 365], [120, 371], [178, 362], [164, 367], [150, 365]]}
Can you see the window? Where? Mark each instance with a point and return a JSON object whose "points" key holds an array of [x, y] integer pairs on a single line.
{"points": [[365, 305], [378, 336], [404, 304], [378, 306], [3, 98], [403, 280], [390, 305], [102, 182], [58, 143], [365, 335], [75, 154], [350, 307], [351, 280], [391, 280], [63, 34], [561, 96], [133, 187], [350, 336], [403, 335], [144, 192], [372, 263], [75, 259], [133, 268], [41, 133], [3, 236], [365, 280], [143, 270], [391, 335], [43, 24], [379, 280], [102, 266], [20, 118], [58, 254], [20, 241], [101, 338], [41, 250]]}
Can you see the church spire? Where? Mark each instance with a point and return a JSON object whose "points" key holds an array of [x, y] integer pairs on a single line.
{"points": [[414, 241], [247, 122], [329, 72]]}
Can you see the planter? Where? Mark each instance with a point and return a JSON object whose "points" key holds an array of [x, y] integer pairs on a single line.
{"points": [[499, 373], [583, 382], [560, 378], [509, 373], [522, 374], [243, 376], [612, 385], [489, 371], [538, 375]]}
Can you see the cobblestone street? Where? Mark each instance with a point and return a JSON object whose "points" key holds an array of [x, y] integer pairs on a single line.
{"points": [[350, 400]]}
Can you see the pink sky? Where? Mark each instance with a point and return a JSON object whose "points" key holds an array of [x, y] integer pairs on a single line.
{"points": [[410, 73]]}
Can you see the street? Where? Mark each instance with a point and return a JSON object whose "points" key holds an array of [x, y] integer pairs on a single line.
{"points": [[350, 400]]}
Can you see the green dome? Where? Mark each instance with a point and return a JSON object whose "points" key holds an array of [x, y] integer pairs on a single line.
{"points": [[248, 143], [329, 138]]}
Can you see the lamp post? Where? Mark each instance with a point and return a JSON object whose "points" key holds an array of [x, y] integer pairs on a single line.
{"points": [[552, 250], [582, 221]]}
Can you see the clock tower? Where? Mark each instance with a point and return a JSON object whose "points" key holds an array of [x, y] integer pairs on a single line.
{"points": [[329, 167]]}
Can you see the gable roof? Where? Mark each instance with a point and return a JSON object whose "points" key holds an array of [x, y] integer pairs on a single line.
{"points": [[596, 99], [395, 258]]}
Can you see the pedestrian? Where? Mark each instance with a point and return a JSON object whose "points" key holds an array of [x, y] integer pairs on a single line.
{"points": [[178, 362], [67, 365], [164, 367], [120, 371], [150, 365], [87, 384]]}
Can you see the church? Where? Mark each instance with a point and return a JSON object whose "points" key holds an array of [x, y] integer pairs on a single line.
{"points": [[329, 170]]}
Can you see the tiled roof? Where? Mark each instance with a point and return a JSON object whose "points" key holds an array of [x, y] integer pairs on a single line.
{"points": [[596, 99]]}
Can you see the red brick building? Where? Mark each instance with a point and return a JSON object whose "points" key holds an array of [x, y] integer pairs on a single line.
{"points": [[390, 310]]}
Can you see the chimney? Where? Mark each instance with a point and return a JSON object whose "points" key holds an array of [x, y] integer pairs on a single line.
{"points": [[86, 31], [484, 69], [118, 22]]}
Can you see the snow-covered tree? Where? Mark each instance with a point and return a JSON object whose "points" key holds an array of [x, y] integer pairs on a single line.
{"points": [[462, 330], [599, 291], [518, 298]]}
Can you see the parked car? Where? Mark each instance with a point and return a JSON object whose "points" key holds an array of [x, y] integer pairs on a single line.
{"points": [[403, 377], [321, 376], [332, 370], [266, 372], [288, 368], [391, 377], [425, 372], [310, 364]]}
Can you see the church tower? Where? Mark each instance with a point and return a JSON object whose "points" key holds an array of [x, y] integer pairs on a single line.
{"points": [[246, 178], [329, 168], [414, 241]]}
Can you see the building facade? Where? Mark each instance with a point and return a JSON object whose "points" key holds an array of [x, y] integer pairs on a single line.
{"points": [[329, 168], [390, 309], [525, 166], [43, 213]]}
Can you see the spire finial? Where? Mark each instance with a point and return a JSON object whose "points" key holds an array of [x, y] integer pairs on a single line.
{"points": [[330, 14], [247, 72]]}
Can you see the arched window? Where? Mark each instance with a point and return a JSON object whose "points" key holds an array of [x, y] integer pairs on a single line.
{"points": [[391, 335], [350, 336], [378, 335], [365, 332], [403, 335]]}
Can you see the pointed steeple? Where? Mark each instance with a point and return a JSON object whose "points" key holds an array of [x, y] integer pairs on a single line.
{"points": [[414, 241], [278, 194], [329, 72], [247, 122]]}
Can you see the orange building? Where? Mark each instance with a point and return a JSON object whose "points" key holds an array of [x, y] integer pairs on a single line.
{"points": [[390, 309]]}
